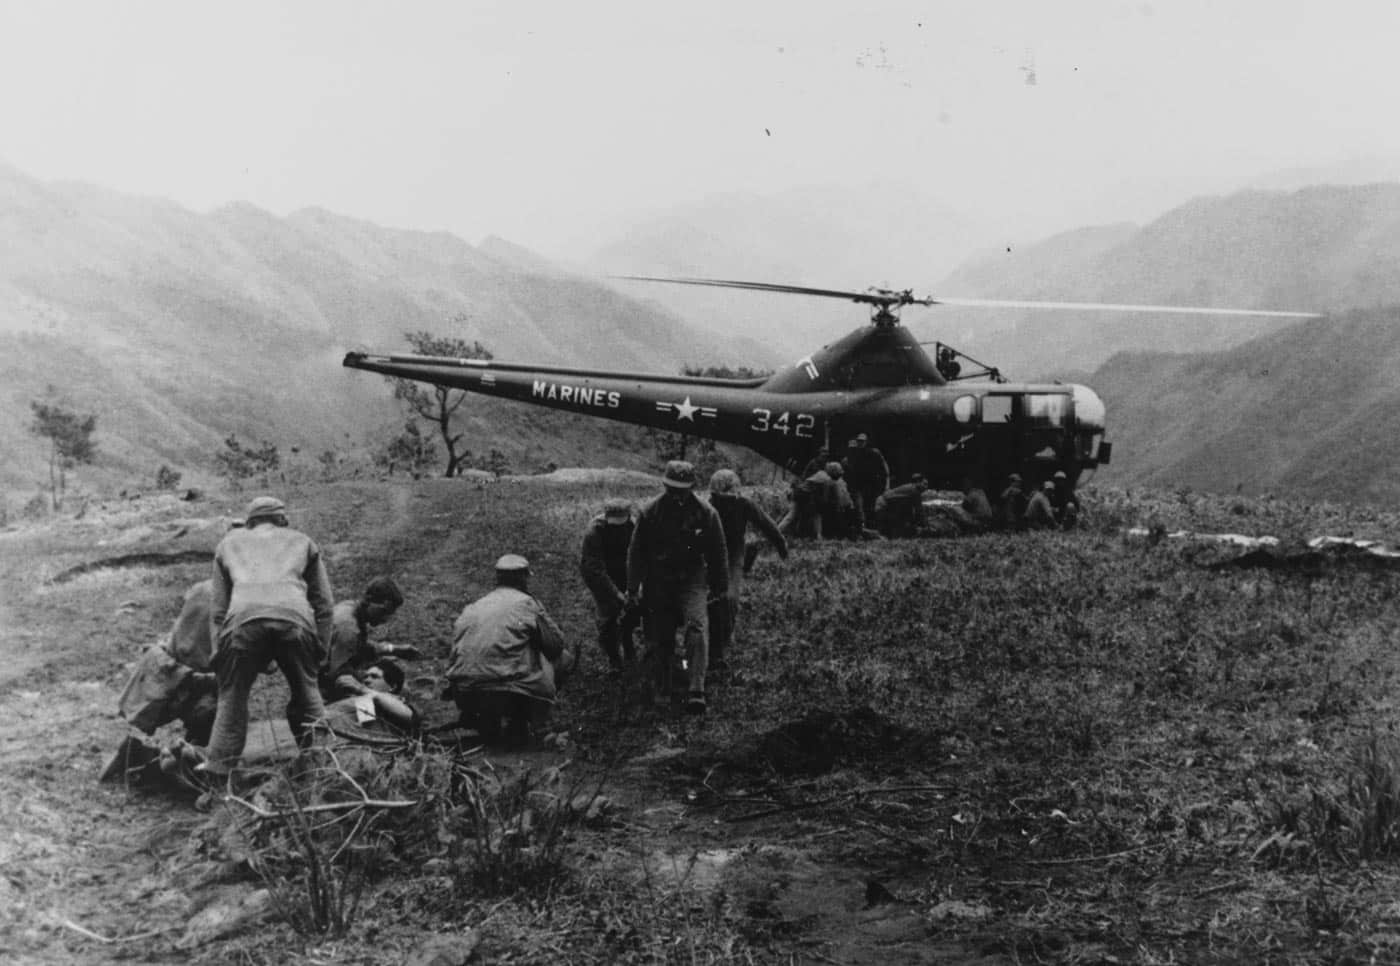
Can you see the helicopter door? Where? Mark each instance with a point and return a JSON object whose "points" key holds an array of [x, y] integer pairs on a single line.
{"points": [[1000, 436]]}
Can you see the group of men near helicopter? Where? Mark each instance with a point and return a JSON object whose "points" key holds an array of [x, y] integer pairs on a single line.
{"points": [[675, 567], [851, 499]]}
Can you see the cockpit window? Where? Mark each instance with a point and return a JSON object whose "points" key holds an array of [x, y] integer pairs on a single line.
{"points": [[996, 409], [1044, 409]]}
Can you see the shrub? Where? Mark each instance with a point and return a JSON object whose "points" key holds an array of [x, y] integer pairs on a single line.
{"points": [[167, 478], [327, 827], [1355, 816]]}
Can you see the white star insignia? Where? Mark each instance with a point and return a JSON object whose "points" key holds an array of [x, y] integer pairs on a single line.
{"points": [[685, 410]]}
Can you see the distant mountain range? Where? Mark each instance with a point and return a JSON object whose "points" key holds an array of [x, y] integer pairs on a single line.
{"points": [[179, 328], [1318, 249]]}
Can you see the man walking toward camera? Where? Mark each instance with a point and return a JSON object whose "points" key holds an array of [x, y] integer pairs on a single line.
{"points": [[603, 564], [270, 601], [676, 563]]}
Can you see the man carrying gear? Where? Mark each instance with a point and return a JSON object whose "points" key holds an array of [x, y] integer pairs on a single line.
{"points": [[508, 659], [603, 564], [676, 563]]}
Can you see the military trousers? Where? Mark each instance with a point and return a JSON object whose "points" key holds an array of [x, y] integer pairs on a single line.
{"points": [[671, 609], [241, 656]]}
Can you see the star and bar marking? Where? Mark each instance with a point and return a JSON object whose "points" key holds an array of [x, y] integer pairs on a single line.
{"points": [[686, 409]]}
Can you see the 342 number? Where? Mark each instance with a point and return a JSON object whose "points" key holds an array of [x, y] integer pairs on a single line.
{"points": [[798, 424]]}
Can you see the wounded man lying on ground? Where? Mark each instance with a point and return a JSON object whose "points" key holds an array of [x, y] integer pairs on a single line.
{"points": [[381, 711]]}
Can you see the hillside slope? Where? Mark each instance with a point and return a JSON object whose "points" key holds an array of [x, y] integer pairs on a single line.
{"points": [[178, 328], [1312, 409]]}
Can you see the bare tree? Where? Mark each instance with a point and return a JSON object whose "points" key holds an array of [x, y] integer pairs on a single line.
{"points": [[438, 404]]}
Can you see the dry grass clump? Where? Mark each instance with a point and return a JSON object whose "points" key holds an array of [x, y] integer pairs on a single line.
{"points": [[1354, 815], [339, 820]]}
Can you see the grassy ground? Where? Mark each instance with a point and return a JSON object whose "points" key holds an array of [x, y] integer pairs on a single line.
{"points": [[1075, 747]]}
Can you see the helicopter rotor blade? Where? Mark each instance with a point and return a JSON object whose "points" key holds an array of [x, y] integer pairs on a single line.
{"points": [[887, 297], [867, 297], [1114, 307]]}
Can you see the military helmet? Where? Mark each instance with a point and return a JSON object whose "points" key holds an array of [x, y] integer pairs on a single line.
{"points": [[679, 475]]}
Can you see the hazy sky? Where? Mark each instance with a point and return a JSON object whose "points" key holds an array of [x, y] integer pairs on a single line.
{"points": [[547, 122]]}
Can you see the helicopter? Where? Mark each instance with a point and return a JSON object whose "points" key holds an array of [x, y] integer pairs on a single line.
{"points": [[947, 416]]}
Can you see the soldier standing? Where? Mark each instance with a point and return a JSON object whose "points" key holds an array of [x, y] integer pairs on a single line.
{"points": [[676, 563], [867, 476]]}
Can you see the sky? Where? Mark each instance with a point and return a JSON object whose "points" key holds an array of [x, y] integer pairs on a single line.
{"points": [[554, 123]]}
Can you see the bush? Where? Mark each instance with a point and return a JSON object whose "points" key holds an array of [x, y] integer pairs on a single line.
{"points": [[167, 478], [1356, 816], [324, 830], [238, 462]]}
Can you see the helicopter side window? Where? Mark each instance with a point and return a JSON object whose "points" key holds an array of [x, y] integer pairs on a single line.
{"points": [[1046, 409], [997, 409]]}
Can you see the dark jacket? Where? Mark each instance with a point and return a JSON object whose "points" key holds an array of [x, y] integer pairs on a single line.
{"points": [[603, 561], [866, 469], [677, 541], [900, 511], [1013, 505], [736, 512]]}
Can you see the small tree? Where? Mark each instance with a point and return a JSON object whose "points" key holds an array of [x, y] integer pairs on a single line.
{"points": [[167, 478], [238, 462], [70, 442], [410, 449], [438, 404]]}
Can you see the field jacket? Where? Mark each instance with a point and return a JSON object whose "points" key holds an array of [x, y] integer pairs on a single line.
{"points": [[169, 669], [677, 542], [736, 513], [268, 572], [603, 560], [505, 641]]}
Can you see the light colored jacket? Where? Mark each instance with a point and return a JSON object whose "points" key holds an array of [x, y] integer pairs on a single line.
{"points": [[505, 641], [168, 669], [273, 573]]}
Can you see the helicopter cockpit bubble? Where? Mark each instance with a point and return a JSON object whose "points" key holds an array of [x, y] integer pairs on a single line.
{"points": [[1089, 410]]}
